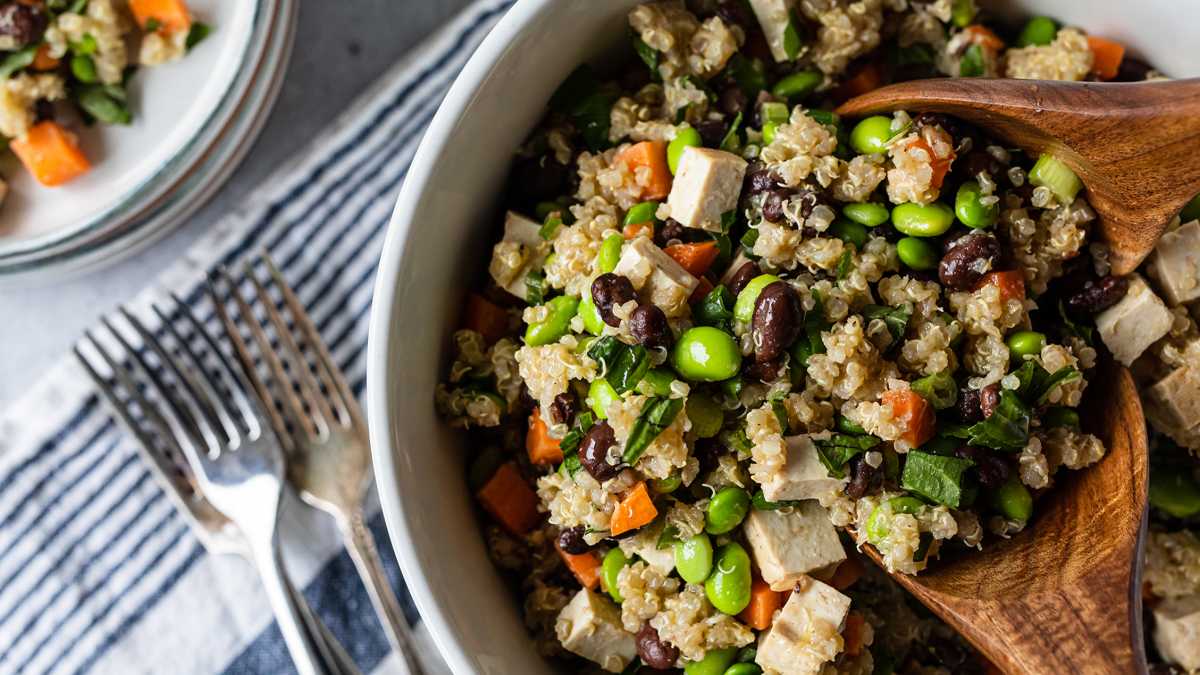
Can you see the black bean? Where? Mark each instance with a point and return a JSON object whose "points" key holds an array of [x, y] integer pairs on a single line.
{"points": [[1132, 70], [649, 327], [777, 321], [562, 410], [593, 451], [808, 200], [1097, 295], [733, 100], [968, 405], [671, 229], [990, 469], [772, 207], [989, 399], [733, 13], [654, 652], [707, 452], [965, 264], [742, 276], [760, 180], [609, 290], [861, 476], [571, 541], [23, 23], [712, 132], [979, 161], [44, 110], [765, 371]]}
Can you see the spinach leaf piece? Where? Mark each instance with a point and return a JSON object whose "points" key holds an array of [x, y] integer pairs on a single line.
{"points": [[1037, 382], [588, 103], [623, 365], [939, 389], [570, 442], [935, 477], [759, 501], [716, 309], [839, 449], [1006, 429], [895, 318], [657, 414]]}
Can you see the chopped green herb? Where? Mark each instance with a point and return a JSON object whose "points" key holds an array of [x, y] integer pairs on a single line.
{"points": [[749, 239], [732, 141], [550, 225], [939, 389], [152, 25], [845, 265], [86, 46], [896, 318], [759, 501], [570, 442], [588, 103], [935, 477], [648, 54], [535, 282], [781, 414], [792, 42], [84, 69], [716, 309], [749, 75], [1037, 382], [196, 34], [838, 449], [1007, 428], [96, 101], [736, 440], [1071, 328], [623, 365], [17, 60], [669, 536], [657, 414], [972, 64]]}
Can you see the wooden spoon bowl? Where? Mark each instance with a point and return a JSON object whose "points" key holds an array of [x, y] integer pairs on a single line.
{"points": [[1063, 595], [1136, 146]]}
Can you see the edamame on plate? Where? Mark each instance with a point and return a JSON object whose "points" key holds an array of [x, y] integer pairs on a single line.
{"points": [[727, 337]]}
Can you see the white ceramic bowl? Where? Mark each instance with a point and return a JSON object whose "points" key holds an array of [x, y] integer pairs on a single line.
{"points": [[438, 244]]}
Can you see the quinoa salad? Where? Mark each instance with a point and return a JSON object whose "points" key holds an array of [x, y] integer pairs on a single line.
{"points": [[728, 340], [65, 64]]}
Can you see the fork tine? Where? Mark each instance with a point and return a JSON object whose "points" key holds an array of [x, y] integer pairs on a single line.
{"points": [[292, 407], [298, 364], [342, 399]]}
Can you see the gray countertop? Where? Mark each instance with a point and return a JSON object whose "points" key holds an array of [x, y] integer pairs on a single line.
{"points": [[342, 46]]}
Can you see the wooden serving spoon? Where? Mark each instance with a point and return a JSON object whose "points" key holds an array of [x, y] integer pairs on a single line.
{"points": [[1064, 595], [1136, 146]]}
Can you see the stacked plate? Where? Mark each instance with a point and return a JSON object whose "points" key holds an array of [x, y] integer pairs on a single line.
{"points": [[194, 120]]}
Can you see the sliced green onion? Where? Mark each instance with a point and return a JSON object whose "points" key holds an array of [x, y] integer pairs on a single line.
{"points": [[1058, 177]]}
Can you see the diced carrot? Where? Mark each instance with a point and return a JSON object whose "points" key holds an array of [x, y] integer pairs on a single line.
{"points": [[763, 603], [847, 574], [635, 230], [867, 77], [171, 15], [854, 634], [695, 258], [984, 37], [585, 567], [51, 153], [485, 317], [42, 60], [510, 500], [1010, 283], [1106, 57], [702, 289], [635, 510], [913, 413], [541, 447], [652, 155], [940, 165]]}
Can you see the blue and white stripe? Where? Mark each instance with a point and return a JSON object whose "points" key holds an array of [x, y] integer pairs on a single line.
{"points": [[97, 572]]}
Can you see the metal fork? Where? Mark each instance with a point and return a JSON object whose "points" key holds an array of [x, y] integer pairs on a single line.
{"points": [[329, 450], [170, 470], [234, 454]]}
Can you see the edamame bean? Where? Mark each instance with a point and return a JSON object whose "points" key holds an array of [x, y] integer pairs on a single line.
{"points": [[84, 69], [728, 587], [610, 253], [849, 232], [870, 136], [743, 669], [706, 354], [917, 254], [726, 510], [665, 486], [556, 325], [1013, 500], [705, 415], [685, 137], [592, 321], [923, 220], [743, 307], [773, 111], [600, 396], [1175, 492], [715, 662], [641, 213], [1026, 343], [1040, 30], [1061, 416], [877, 527], [694, 558], [871, 214], [798, 85], [970, 210], [768, 132], [962, 12], [614, 561]]}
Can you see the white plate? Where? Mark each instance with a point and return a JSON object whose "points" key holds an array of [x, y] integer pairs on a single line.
{"points": [[193, 120]]}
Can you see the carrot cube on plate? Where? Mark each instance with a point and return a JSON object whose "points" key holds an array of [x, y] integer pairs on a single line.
{"points": [[170, 15], [51, 153]]}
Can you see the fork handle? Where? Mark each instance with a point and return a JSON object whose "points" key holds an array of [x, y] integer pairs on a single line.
{"points": [[333, 654], [288, 613], [361, 546]]}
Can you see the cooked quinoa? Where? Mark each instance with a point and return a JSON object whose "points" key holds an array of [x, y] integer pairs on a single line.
{"points": [[70, 59], [756, 338]]}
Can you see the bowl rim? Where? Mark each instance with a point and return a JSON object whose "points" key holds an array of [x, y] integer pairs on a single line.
{"points": [[379, 336]]}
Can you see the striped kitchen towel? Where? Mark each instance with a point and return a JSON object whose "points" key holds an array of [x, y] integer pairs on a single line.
{"points": [[98, 573]]}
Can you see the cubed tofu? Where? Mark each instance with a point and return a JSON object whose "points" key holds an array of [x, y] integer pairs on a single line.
{"points": [[590, 626], [806, 634], [522, 238], [1177, 631], [656, 276], [1175, 264], [1139, 320], [803, 476], [644, 545], [707, 186], [774, 16], [1174, 401], [789, 543]]}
